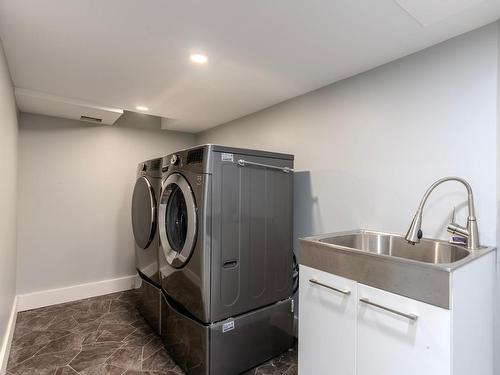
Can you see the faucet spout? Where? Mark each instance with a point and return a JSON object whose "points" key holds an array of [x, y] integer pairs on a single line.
{"points": [[470, 231], [414, 233]]}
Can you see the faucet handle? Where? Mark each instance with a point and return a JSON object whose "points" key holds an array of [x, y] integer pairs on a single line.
{"points": [[458, 240], [459, 233]]}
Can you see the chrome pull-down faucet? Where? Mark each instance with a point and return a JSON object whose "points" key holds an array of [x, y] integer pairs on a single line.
{"points": [[469, 232]]}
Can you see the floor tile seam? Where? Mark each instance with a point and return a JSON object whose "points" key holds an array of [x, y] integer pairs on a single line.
{"points": [[27, 333], [81, 349], [159, 349], [98, 327], [93, 320], [143, 346], [121, 341], [69, 334], [120, 347], [71, 367], [72, 317], [33, 355], [130, 324], [142, 355], [100, 333], [288, 369], [131, 333], [71, 360], [103, 342], [99, 364], [123, 345], [57, 351], [118, 297], [20, 363], [50, 323], [152, 338]]}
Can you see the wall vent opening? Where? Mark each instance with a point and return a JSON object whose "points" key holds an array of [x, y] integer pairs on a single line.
{"points": [[91, 119]]}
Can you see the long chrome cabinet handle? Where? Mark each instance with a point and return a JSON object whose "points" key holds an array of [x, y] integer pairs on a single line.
{"points": [[408, 316], [243, 163], [344, 292]]}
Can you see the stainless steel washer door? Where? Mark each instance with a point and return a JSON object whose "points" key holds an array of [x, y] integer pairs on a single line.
{"points": [[143, 212], [177, 220]]}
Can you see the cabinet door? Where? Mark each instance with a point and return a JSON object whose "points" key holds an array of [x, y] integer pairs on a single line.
{"points": [[390, 343], [327, 323]]}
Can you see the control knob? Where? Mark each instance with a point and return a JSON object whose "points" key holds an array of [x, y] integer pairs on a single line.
{"points": [[174, 160]]}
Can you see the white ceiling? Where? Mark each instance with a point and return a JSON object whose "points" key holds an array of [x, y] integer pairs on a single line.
{"points": [[124, 53]]}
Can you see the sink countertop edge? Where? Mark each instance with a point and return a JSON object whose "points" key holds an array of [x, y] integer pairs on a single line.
{"points": [[449, 267], [426, 282]]}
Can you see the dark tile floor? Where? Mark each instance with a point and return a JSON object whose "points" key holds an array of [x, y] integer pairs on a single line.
{"points": [[99, 336]]}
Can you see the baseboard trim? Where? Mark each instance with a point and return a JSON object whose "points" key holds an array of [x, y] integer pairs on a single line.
{"points": [[7, 339], [75, 292]]}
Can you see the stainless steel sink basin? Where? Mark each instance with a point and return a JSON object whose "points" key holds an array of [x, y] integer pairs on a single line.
{"points": [[427, 251], [388, 262]]}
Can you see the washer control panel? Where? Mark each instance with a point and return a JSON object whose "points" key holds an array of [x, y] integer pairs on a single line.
{"points": [[174, 159]]}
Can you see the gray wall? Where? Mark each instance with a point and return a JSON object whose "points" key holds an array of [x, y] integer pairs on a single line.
{"points": [[8, 212], [76, 181], [497, 313], [367, 147]]}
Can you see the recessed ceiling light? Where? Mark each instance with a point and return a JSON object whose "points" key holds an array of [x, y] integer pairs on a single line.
{"points": [[142, 108], [198, 58]]}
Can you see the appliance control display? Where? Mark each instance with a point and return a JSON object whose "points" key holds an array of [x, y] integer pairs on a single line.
{"points": [[174, 159]]}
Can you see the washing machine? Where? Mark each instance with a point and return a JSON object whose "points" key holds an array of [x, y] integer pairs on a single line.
{"points": [[225, 225], [145, 229]]}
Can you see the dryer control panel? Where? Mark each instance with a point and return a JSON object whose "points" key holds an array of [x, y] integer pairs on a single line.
{"points": [[175, 159]]}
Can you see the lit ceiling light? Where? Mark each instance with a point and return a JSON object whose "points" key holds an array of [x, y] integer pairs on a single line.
{"points": [[198, 58], [142, 108]]}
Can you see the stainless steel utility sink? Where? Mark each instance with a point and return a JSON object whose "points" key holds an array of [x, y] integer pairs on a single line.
{"points": [[427, 251], [387, 261]]}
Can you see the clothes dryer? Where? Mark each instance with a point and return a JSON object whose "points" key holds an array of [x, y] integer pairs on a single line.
{"points": [[145, 229]]}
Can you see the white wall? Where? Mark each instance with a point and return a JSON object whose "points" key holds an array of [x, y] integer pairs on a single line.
{"points": [[75, 187], [367, 147], [8, 212], [497, 306]]}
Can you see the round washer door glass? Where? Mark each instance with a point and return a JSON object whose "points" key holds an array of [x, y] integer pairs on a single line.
{"points": [[177, 220], [143, 213]]}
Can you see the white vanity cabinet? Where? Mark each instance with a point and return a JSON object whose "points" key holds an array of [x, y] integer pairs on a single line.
{"points": [[348, 328], [327, 326], [398, 335]]}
